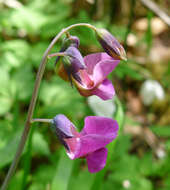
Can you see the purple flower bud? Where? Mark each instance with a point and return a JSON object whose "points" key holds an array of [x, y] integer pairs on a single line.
{"points": [[74, 41], [76, 58], [61, 129], [71, 41], [110, 44], [72, 62]]}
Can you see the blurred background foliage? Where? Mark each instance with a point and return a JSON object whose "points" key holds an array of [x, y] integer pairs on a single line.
{"points": [[140, 157]]}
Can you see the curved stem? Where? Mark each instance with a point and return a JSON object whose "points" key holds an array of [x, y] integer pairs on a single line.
{"points": [[33, 102]]}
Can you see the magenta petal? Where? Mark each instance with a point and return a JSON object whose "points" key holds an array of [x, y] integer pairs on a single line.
{"points": [[105, 90], [90, 143], [97, 160], [102, 69], [101, 126], [97, 133], [92, 59]]}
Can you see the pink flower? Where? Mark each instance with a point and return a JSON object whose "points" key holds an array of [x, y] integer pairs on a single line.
{"points": [[90, 143], [94, 77]]}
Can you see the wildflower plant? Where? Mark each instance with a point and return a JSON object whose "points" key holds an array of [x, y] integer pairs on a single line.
{"points": [[89, 75]]}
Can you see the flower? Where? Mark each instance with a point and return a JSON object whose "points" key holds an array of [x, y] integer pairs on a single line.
{"points": [[90, 143], [93, 77], [110, 44]]}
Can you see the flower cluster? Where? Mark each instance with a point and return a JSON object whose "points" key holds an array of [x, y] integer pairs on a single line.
{"points": [[89, 75]]}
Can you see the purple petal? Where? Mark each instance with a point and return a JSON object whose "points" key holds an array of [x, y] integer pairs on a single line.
{"points": [[100, 126], [97, 133], [97, 160], [102, 69], [92, 59], [73, 145], [90, 143], [105, 90]]}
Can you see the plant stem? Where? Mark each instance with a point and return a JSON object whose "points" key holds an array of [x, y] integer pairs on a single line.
{"points": [[41, 120], [56, 54], [33, 102]]}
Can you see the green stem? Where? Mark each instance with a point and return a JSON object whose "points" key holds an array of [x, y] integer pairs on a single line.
{"points": [[56, 54], [41, 120], [33, 102]]}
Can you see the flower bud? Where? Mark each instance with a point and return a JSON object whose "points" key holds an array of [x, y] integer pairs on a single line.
{"points": [[62, 127], [110, 44], [71, 64], [71, 41]]}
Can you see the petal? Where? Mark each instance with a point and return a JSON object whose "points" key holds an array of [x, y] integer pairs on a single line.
{"points": [[85, 79], [100, 126], [97, 133], [97, 160], [105, 90], [102, 69], [88, 144], [92, 59], [73, 145]]}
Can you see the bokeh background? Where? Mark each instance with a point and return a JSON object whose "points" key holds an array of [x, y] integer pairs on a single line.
{"points": [[139, 158]]}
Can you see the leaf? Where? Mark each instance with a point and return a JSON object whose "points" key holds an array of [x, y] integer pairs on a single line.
{"points": [[6, 103], [23, 81], [127, 69], [162, 131], [27, 19], [42, 176], [8, 151], [12, 55], [5, 94], [58, 97], [16, 181], [63, 172], [84, 179], [119, 115], [39, 144]]}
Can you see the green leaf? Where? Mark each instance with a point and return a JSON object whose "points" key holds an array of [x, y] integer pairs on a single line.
{"points": [[27, 19], [5, 92], [23, 81], [119, 115], [58, 97], [12, 55], [8, 151], [63, 173], [39, 144], [84, 179], [162, 131]]}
